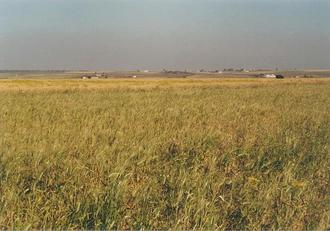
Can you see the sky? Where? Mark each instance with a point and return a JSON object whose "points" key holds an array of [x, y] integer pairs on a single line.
{"points": [[171, 34]]}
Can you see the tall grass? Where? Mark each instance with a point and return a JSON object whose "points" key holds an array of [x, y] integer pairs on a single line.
{"points": [[175, 155]]}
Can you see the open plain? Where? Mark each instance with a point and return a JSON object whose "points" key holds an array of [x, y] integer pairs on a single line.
{"points": [[165, 153]]}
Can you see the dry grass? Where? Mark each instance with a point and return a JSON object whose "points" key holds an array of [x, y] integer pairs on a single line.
{"points": [[75, 84], [181, 154]]}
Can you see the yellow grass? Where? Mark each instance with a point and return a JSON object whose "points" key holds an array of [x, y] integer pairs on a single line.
{"points": [[58, 84], [165, 153]]}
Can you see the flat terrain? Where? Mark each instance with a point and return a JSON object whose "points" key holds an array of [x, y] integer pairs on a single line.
{"points": [[165, 153], [154, 75]]}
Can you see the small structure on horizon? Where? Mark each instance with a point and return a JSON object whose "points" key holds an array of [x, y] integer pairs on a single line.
{"points": [[96, 76], [270, 76], [273, 76]]}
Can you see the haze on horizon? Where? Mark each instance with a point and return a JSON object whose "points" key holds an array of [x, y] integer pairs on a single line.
{"points": [[172, 34]]}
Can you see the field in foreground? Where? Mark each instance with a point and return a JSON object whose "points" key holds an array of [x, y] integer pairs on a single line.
{"points": [[182, 154]]}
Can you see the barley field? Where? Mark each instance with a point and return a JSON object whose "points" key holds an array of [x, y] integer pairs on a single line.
{"points": [[227, 154]]}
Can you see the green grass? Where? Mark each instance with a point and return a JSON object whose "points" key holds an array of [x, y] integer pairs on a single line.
{"points": [[180, 154]]}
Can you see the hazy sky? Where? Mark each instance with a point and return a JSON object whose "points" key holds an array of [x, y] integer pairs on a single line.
{"points": [[155, 34]]}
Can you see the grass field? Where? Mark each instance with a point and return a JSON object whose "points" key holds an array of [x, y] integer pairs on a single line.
{"points": [[158, 154]]}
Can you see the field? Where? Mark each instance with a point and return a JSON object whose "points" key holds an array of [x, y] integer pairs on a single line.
{"points": [[165, 153]]}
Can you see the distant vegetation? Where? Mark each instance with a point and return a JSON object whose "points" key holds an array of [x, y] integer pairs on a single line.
{"points": [[183, 154], [37, 71], [202, 73]]}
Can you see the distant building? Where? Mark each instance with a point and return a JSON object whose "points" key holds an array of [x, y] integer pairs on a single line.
{"points": [[96, 76], [273, 76], [270, 76]]}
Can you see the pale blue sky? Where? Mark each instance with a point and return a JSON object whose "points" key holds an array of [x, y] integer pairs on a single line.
{"points": [[155, 34]]}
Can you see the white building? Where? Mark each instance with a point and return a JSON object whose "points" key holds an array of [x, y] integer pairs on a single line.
{"points": [[270, 76]]}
